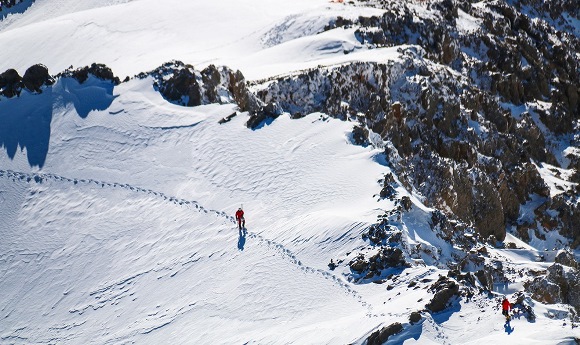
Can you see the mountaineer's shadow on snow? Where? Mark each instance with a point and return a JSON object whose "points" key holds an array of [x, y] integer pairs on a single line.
{"points": [[508, 328], [242, 239]]}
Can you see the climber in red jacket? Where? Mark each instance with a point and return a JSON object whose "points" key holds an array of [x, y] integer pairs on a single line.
{"points": [[505, 308], [240, 219]]}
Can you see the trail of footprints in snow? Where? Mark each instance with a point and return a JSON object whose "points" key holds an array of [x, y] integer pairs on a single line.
{"points": [[327, 275], [39, 178]]}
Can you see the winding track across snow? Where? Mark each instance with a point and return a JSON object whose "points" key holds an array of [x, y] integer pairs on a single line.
{"points": [[280, 248]]}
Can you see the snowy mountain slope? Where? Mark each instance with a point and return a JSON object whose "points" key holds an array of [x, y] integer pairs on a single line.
{"points": [[117, 212], [101, 267], [43, 10], [121, 34], [92, 220], [116, 240]]}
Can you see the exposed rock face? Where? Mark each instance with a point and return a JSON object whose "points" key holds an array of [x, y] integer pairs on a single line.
{"points": [[415, 317], [561, 285], [263, 113], [380, 337], [566, 258], [386, 257], [36, 77], [453, 117], [444, 290], [10, 83], [485, 278], [100, 71], [182, 84], [521, 304], [182, 87]]}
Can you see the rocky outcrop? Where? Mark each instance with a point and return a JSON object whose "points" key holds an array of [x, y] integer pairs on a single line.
{"points": [[386, 257], [521, 303], [379, 337], [560, 285], [8, 3], [566, 258], [36, 77], [445, 289], [97, 70], [10, 83], [415, 317], [182, 84], [468, 134]]}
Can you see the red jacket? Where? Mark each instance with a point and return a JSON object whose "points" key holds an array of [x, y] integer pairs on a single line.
{"points": [[505, 304], [239, 214]]}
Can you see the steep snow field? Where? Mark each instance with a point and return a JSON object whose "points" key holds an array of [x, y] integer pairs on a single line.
{"points": [[126, 234], [139, 35]]}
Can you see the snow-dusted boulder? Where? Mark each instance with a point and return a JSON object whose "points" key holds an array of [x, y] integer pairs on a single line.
{"points": [[445, 289], [381, 336], [184, 85]]}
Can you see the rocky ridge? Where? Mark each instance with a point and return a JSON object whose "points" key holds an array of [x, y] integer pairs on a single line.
{"points": [[467, 118]]}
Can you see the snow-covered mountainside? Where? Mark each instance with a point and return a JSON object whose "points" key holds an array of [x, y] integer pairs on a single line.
{"points": [[402, 167]]}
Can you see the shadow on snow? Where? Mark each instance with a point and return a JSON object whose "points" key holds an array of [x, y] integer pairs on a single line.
{"points": [[26, 119], [242, 239], [18, 8]]}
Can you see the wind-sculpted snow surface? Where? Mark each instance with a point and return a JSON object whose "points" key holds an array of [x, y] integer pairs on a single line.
{"points": [[401, 165]]}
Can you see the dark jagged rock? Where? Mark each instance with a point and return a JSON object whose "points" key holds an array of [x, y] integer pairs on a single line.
{"points": [[406, 203], [567, 259], [8, 3], [560, 285], [264, 113], [10, 83], [444, 290], [457, 130], [36, 77], [359, 265], [485, 278], [227, 118], [99, 71], [521, 304], [360, 136], [182, 84], [415, 317], [386, 257], [379, 337], [182, 88]]}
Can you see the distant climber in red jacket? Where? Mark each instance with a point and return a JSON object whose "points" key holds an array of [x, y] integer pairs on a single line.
{"points": [[240, 218], [505, 308]]}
